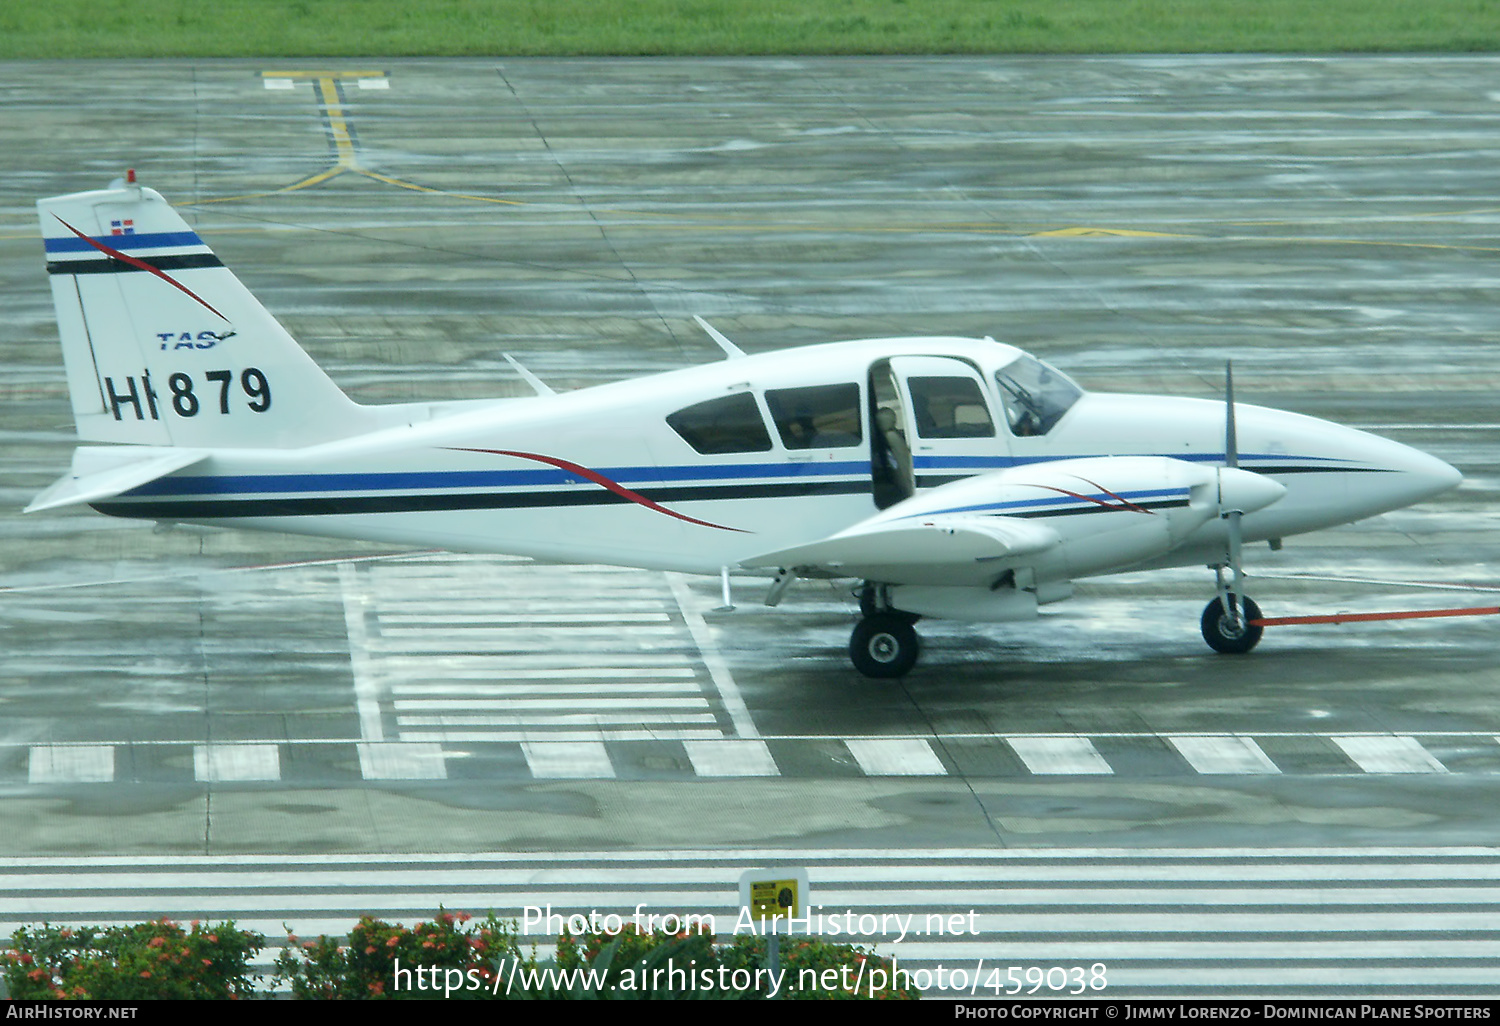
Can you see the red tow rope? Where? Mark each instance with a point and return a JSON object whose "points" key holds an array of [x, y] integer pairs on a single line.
{"points": [[1410, 614]]}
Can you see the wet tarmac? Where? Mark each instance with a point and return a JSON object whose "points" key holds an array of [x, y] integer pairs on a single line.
{"points": [[1331, 225]]}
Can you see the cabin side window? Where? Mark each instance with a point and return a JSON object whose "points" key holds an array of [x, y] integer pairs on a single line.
{"points": [[731, 423], [819, 417], [945, 407]]}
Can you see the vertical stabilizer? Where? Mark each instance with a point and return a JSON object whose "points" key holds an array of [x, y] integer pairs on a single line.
{"points": [[163, 345]]}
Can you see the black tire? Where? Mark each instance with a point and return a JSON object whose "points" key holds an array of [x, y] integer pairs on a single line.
{"points": [[884, 646], [1222, 636]]}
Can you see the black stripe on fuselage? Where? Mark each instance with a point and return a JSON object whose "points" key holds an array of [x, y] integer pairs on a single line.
{"points": [[1104, 507]]}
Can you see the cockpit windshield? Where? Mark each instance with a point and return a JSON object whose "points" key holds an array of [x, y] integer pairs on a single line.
{"points": [[1035, 395]]}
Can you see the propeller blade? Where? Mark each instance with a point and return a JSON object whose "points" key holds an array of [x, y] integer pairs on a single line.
{"points": [[1234, 529], [1231, 439]]}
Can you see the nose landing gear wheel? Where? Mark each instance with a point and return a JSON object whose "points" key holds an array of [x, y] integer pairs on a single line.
{"points": [[1224, 635], [884, 645]]}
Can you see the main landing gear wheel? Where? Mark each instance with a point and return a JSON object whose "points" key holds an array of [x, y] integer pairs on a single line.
{"points": [[884, 645], [1223, 634]]}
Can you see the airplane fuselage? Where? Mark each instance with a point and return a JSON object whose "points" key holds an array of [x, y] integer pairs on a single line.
{"points": [[706, 467]]}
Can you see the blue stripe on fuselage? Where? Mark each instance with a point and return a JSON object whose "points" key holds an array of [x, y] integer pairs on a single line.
{"points": [[263, 484], [1020, 505]]}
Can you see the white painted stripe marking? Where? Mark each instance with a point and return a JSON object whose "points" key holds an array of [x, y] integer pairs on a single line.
{"points": [[460, 667], [718, 669], [582, 719], [895, 757], [1225, 924], [1059, 755], [574, 691], [71, 764], [279, 83], [520, 619], [374, 83], [569, 703], [1381, 754], [219, 763], [570, 759], [451, 632], [965, 885], [1223, 754], [732, 757], [454, 643], [1279, 863], [366, 682], [531, 732], [402, 760]]}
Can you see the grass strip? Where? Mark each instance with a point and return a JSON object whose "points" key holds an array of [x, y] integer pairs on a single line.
{"points": [[495, 28]]}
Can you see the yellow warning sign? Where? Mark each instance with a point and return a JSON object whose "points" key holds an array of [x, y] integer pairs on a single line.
{"points": [[775, 897], [771, 899]]}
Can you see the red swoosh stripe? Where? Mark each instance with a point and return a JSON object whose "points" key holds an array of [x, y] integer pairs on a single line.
{"points": [[604, 482], [141, 265], [1124, 502], [1127, 507]]}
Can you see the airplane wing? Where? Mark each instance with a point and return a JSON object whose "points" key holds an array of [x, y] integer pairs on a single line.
{"points": [[101, 473], [952, 549], [1064, 519]]}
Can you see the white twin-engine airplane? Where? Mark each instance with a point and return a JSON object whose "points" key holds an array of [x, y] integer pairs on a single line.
{"points": [[951, 477]]}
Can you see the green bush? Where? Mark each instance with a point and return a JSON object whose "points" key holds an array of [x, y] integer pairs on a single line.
{"points": [[156, 960], [453, 957]]}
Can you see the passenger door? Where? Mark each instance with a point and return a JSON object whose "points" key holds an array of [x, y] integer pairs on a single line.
{"points": [[943, 413]]}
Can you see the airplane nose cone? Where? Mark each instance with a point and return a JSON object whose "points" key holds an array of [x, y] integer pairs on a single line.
{"points": [[1246, 491], [1405, 475], [1431, 475]]}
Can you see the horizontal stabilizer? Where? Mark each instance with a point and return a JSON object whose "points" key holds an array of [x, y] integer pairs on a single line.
{"points": [[881, 548], [104, 472]]}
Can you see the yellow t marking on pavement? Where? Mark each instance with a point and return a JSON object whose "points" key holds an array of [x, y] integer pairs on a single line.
{"points": [[341, 135]]}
